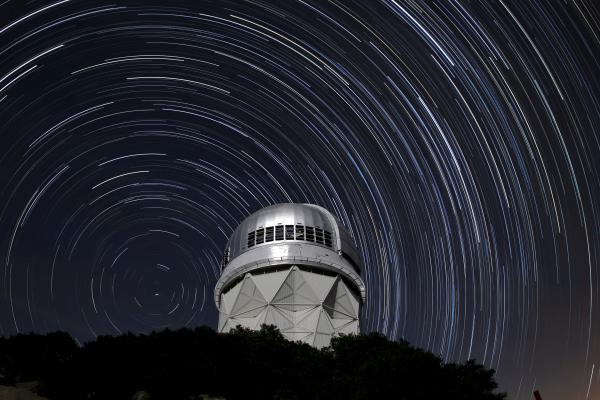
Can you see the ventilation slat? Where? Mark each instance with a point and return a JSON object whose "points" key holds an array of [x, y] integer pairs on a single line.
{"points": [[319, 235], [279, 232], [260, 236], [299, 233], [269, 234], [289, 232], [310, 234], [251, 237]]}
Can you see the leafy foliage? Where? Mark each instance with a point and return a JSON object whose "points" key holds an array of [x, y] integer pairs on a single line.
{"points": [[243, 364]]}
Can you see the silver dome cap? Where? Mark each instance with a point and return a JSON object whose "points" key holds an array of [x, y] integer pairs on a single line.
{"points": [[291, 233], [308, 216]]}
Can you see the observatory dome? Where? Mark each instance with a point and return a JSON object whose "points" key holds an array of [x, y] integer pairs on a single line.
{"points": [[288, 260]]}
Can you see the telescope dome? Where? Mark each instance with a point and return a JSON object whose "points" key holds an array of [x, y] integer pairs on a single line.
{"points": [[284, 261]]}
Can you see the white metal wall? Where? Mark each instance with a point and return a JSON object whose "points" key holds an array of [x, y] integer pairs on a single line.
{"points": [[304, 305]]}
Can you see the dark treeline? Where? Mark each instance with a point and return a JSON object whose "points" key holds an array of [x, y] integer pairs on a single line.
{"points": [[242, 364]]}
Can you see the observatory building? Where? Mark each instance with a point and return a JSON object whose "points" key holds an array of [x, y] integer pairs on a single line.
{"points": [[293, 266]]}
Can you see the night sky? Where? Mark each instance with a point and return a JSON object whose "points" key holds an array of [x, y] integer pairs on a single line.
{"points": [[457, 140]]}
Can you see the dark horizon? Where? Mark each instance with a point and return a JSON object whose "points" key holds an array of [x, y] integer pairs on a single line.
{"points": [[457, 142]]}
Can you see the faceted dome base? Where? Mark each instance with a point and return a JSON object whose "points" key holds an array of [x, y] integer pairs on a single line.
{"points": [[304, 305]]}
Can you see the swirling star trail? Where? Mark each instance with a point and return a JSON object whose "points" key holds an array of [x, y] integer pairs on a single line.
{"points": [[457, 140]]}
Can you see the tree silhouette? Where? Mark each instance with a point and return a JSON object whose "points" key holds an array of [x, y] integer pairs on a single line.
{"points": [[242, 364], [27, 357]]}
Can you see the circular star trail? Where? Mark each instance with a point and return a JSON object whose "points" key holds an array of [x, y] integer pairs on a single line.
{"points": [[456, 140]]}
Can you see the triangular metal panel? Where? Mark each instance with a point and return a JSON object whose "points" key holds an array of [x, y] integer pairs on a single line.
{"points": [[321, 340], [249, 297], [260, 319], [339, 322], [269, 318], [335, 314], [277, 318], [228, 298], [295, 307], [269, 283], [310, 338], [285, 292], [353, 299], [295, 294], [298, 315], [338, 303], [304, 293], [223, 323], [289, 314], [227, 326], [324, 324], [244, 322], [350, 327], [288, 328], [252, 312], [309, 319], [321, 284]]}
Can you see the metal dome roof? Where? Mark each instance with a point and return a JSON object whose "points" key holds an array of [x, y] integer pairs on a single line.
{"points": [[294, 266], [274, 219], [290, 234]]}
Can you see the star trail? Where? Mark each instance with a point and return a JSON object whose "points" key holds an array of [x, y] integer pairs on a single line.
{"points": [[456, 140]]}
